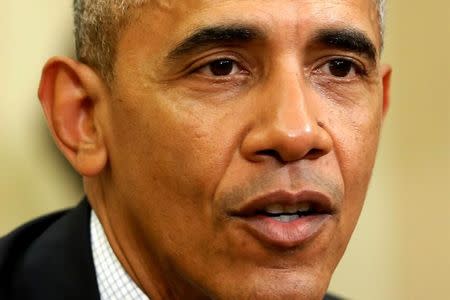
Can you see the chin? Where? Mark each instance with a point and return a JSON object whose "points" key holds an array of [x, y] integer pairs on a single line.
{"points": [[276, 284]]}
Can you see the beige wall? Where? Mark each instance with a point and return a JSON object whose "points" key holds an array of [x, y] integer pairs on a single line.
{"points": [[32, 178], [401, 247]]}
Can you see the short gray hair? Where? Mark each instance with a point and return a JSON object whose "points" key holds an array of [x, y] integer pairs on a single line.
{"points": [[98, 24], [381, 9], [97, 27]]}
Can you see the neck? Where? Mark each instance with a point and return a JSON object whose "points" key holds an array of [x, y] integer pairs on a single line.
{"points": [[151, 272]]}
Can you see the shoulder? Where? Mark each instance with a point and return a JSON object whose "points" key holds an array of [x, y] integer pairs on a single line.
{"points": [[15, 245], [48, 258], [332, 297]]}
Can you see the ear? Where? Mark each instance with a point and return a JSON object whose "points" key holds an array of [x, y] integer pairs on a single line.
{"points": [[70, 93], [386, 72]]}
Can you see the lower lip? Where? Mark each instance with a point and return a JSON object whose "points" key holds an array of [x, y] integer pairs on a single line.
{"points": [[286, 234]]}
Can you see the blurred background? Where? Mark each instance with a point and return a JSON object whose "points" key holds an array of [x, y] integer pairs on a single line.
{"points": [[401, 247]]}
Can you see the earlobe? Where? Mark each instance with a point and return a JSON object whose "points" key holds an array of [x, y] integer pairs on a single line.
{"points": [[386, 72], [67, 96]]}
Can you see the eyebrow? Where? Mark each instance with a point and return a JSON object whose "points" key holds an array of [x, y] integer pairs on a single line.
{"points": [[208, 36], [347, 39]]}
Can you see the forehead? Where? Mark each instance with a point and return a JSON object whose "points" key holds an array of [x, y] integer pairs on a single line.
{"points": [[161, 24], [183, 16]]}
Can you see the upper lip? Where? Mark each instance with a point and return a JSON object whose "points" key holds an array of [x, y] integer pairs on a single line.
{"points": [[320, 202]]}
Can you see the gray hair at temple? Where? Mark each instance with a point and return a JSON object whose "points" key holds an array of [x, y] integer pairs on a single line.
{"points": [[98, 25]]}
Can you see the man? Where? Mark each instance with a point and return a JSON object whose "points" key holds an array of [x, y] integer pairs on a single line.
{"points": [[226, 148]]}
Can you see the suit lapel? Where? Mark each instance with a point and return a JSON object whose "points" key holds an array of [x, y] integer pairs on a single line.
{"points": [[59, 264]]}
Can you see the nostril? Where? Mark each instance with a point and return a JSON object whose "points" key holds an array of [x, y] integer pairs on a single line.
{"points": [[270, 153], [314, 153]]}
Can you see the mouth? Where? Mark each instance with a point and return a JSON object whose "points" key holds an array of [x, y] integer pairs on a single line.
{"points": [[286, 220]]}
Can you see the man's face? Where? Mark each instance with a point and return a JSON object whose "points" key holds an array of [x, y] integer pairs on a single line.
{"points": [[241, 137]]}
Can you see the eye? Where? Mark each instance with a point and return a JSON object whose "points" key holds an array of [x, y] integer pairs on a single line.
{"points": [[220, 67], [341, 67]]}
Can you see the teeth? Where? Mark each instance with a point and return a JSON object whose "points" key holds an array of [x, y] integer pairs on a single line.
{"points": [[274, 209], [290, 209], [303, 207], [286, 218]]}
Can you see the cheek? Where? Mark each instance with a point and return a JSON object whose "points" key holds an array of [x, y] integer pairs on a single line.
{"points": [[169, 147], [172, 156], [356, 141]]}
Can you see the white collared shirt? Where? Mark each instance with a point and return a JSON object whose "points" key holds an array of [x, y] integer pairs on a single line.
{"points": [[114, 283]]}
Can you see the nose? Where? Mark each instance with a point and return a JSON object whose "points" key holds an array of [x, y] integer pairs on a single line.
{"points": [[285, 123]]}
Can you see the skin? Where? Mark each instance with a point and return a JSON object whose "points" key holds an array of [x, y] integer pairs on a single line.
{"points": [[168, 149]]}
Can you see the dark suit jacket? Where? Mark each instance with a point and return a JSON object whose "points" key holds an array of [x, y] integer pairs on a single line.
{"points": [[50, 259]]}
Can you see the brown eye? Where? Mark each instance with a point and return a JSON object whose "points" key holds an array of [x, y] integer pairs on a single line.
{"points": [[341, 67], [222, 67]]}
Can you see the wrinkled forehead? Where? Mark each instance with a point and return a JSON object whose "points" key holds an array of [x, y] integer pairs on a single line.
{"points": [[167, 4], [369, 6], [186, 16]]}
